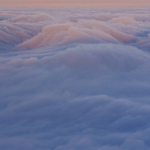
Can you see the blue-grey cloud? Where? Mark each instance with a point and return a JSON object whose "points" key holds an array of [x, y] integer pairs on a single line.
{"points": [[74, 79]]}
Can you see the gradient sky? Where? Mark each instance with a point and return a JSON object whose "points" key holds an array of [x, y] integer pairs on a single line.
{"points": [[72, 2]]}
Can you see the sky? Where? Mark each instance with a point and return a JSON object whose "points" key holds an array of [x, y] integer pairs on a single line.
{"points": [[75, 78], [87, 3]]}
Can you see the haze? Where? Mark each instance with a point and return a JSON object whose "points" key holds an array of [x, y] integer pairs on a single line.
{"points": [[34, 3]]}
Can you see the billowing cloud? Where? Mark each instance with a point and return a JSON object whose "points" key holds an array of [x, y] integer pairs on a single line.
{"points": [[30, 18], [94, 31], [74, 79]]}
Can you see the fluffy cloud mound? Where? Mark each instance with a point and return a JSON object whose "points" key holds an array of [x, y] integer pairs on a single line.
{"points": [[30, 18], [81, 32], [74, 79]]}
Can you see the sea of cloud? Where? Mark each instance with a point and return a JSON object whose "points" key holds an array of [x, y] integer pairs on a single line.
{"points": [[75, 79]]}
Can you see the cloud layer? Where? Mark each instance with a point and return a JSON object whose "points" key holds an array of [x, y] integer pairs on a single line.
{"points": [[74, 79]]}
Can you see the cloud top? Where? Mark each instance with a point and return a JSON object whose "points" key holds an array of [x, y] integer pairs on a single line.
{"points": [[74, 79]]}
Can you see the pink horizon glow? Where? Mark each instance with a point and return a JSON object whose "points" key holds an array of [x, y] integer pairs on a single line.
{"points": [[87, 3]]}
